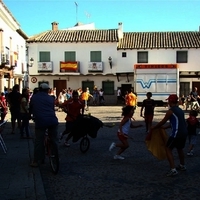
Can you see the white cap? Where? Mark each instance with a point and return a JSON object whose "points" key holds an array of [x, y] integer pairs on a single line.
{"points": [[44, 86]]}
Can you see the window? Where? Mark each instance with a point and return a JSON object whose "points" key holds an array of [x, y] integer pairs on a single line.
{"points": [[45, 56], [181, 57], [142, 57], [89, 84], [70, 56], [184, 88], [108, 87], [123, 54], [95, 56]]}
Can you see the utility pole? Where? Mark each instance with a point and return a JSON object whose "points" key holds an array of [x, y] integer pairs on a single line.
{"points": [[76, 12]]}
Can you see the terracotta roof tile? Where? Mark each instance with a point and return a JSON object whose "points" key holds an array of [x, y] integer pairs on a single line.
{"points": [[76, 36], [152, 40]]}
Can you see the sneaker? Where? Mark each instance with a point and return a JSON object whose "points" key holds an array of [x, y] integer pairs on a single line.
{"points": [[171, 173], [60, 137], [118, 157], [34, 164], [111, 146], [67, 144], [190, 154], [181, 167]]}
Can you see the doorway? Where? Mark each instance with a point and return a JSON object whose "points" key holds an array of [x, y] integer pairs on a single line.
{"points": [[124, 88], [59, 85], [196, 84]]}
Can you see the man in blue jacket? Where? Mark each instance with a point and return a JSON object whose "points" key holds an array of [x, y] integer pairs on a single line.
{"points": [[43, 111]]}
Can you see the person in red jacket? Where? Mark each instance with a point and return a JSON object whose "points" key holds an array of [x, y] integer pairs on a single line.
{"points": [[3, 107], [74, 107]]}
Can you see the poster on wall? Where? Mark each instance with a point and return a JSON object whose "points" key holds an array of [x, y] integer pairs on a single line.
{"points": [[45, 67]]}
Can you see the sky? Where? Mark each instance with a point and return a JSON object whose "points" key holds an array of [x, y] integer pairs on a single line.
{"points": [[36, 16]]}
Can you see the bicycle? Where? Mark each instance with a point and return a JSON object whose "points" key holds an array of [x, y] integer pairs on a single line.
{"points": [[51, 150]]}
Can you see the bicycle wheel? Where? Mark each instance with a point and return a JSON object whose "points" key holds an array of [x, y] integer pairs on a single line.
{"points": [[53, 157], [84, 144]]}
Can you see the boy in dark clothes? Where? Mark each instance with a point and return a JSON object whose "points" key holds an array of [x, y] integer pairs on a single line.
{"points": [[148, 105]]}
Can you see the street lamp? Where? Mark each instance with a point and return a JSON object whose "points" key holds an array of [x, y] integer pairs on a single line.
{"points": [[110, 61], [31, 62]]}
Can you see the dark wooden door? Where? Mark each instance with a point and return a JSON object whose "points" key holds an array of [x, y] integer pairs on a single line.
{"points": [[125, 87], [59, 85], [196, 84]]}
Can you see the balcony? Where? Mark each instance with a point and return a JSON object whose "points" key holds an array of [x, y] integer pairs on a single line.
{"points": [[69, 67], [95, 67], [45, 67]]}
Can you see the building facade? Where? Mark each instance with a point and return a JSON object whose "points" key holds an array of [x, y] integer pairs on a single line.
{"points": [[86, 57], [12, 50]]}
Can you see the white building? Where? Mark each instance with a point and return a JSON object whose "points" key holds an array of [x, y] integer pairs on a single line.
{"points": [[12, 50], [79, 57]]}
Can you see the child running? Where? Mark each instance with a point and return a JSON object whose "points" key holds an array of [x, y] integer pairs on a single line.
{"points": [[192, 123], [123, 131], [148, 105]]}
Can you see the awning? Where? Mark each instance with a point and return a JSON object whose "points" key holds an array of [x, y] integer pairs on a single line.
{"points": [[127, 74]]}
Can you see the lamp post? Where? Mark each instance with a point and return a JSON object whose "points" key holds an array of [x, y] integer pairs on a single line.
{"points": [[110, 61], [30, 64]]}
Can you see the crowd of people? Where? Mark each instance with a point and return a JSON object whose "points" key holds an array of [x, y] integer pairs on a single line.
{"points": [[96, 97], [40, 106], [181, 129], [191, 101]]}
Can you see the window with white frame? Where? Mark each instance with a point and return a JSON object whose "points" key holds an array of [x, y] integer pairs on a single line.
{"points": [[70, 56], [95, 56], [142, 56], [181, 57], [123, 54], [108, 87], [44, 56]]}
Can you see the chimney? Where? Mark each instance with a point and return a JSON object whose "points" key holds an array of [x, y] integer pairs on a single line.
{"points": [[120, 30], [54, 26]]}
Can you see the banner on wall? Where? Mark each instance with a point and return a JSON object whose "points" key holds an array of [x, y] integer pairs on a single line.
{"points": [[45, 67], [69, 67]]}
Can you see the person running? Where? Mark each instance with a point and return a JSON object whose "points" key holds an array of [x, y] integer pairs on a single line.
{"points": [[132, 99], [192, 123], [194, 102], [84, 97], [123, 131], [74, 107], [148, 105], [177, 138]]}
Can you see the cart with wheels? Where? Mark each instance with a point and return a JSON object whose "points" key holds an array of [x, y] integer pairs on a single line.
{"points": [[86, 125]]}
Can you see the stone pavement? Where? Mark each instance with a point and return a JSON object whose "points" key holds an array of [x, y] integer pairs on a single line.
{"points": [[18, 181], [95, 174]]}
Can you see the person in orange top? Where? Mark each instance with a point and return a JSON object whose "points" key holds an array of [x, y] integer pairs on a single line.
{"points": [[84, 97], [74, 107], [132, 99]]}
